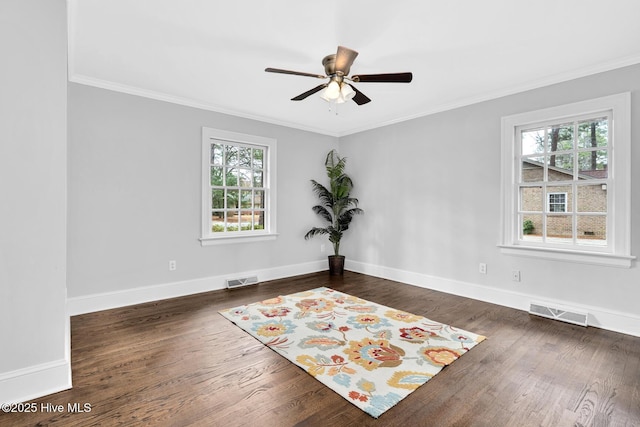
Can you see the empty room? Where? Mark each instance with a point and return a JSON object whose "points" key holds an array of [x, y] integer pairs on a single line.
{"points": [[337, 214]]}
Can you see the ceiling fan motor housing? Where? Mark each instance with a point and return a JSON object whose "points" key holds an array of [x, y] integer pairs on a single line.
{"points": [[329, 63]]}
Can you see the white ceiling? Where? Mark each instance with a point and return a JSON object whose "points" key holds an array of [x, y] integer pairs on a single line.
{"points": [[212, 54]]}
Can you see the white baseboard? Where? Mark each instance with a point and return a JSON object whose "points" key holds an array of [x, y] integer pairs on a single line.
{"points": [[625, 323], [616, 321], [108, 300], [29, 383]]}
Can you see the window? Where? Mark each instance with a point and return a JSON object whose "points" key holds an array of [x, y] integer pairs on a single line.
{"points": [[566, 182], [557, 202], [238, 192]]}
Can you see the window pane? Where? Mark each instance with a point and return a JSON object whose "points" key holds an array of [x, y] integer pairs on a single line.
{"points": [[561, 167], [244, 157], [232, 155], [592, 198], [533, 169], [245, 199], [246, 220], [258, 199], [244, 177], [257, 179], [216, 176], [531, 227], [258, 220], [231, 177], [217, 221], [592, 229], [593, 133], [593, 164], [532, 141], [258, 158], [233, 219], [217, 199], [559, 228], [531, 199], [216, 154], [232, 199], [560, 138]]}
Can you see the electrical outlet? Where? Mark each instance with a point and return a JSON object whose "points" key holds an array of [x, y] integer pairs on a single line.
{"points": [[515, 275], [173, 265], [482, 268], [323, 248]]}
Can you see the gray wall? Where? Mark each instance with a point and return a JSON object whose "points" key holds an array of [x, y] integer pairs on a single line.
{"points": [[431, 191], [134, 194], [429, 186], [33, 171]]}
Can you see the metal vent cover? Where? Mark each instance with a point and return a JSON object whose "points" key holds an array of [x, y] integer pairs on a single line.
{"points": [[564, 314], [243, 281]]}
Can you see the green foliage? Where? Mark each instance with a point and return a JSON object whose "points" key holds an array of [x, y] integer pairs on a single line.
{"points": [[591, 134], [337, 208], [218, 228], [527, 226]]}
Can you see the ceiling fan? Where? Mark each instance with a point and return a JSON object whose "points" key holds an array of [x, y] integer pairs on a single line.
{"points": [[336, 68]]}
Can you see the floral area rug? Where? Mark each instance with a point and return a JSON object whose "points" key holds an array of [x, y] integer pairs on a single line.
{"points": [[372, 355]]}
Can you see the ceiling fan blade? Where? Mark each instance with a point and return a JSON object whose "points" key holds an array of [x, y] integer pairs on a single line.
{"points": [[295, 73], [360, 98], [310, 92], [383, 78], [344, 59]]}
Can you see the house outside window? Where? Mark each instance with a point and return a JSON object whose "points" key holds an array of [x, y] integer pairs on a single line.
{"points": [[566, 182], [238, 178]]}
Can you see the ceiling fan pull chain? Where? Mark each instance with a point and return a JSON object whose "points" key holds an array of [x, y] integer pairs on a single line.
{"points": [[333, 107]]}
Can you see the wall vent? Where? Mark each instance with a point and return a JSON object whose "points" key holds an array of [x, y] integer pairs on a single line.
{"points": [[243, 281], [564, 314]]}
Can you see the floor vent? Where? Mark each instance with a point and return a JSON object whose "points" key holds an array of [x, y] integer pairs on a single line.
{"points": [[244, 281], [564, 314]]}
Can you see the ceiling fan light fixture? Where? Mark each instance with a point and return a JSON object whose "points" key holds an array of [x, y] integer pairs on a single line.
{"points": [[333, 91], [337, 92], [324, 95], [346, 92]]}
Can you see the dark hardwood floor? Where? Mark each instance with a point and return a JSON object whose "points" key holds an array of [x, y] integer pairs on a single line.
{"points": [[179, 363]]}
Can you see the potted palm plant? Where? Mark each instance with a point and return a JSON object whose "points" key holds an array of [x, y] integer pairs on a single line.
{"points": [[336, 207]]}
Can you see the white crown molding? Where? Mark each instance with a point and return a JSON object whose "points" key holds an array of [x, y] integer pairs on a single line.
{"points": [[535, 84], [513, 90], [159, 96]]}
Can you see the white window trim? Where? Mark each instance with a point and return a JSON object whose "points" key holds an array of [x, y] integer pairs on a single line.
{"points": [[269, 233], [564, 202], [620, 150]]}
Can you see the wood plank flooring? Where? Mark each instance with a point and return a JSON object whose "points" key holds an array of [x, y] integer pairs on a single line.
{"points": [[179, 363]]}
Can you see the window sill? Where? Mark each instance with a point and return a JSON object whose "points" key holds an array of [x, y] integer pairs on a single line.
{"points": [[607, 260], [227, 240]]}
